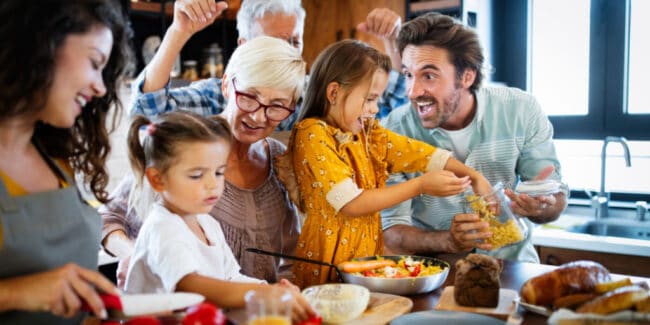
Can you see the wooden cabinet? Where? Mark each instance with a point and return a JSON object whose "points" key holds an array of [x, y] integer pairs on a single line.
{"points": [[329, 21], [615, 263]]}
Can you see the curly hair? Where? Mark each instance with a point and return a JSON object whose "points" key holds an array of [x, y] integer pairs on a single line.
{"points": [[36, 31]]}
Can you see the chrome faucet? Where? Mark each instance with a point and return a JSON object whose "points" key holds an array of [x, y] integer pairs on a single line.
{"points": [[601, 201]]}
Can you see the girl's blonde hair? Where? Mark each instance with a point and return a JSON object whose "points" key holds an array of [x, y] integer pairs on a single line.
{"points": [[267, 62]]}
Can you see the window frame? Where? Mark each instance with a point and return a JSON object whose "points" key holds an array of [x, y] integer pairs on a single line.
{"points": [[608, 69], [511, 50]]}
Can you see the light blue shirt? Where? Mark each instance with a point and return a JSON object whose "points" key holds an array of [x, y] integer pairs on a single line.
{"points": [[511, 137]]}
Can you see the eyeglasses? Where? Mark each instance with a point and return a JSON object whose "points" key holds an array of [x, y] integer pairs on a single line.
{"points": [[248, 103]]}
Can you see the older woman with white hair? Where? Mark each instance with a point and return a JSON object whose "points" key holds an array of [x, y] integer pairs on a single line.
{"points": [[261, 85]]}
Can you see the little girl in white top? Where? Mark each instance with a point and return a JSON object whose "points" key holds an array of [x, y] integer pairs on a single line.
{"points": [[180, 247]]}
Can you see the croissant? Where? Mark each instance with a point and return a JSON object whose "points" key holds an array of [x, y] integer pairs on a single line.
{"points": [[570, 278], [613, 301]]}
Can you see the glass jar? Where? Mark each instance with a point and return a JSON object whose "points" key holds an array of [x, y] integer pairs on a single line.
{"points": [[189, 70], [212, 62], [507, 228], [541, 187]]}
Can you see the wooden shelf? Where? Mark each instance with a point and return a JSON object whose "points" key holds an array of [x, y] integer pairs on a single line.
{"points": [[152, 7], [433, 5]]}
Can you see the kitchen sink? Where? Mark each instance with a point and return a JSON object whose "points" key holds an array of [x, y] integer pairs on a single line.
{"points": [[615, 228]]}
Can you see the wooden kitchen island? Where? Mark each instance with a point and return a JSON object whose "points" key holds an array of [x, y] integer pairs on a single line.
{"points": [[513, 276]]}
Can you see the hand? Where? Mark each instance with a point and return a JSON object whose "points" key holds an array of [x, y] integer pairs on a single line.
{"points": [[301, 309], [525, 205], [468, 231], [383, 23], [481, 185], [122, 270], [443, 183], [61, 291], [528, 206], [191, 16]]}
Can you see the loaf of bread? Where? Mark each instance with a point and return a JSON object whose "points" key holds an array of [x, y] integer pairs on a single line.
{"points": [[615, 300], [643, 306], [477, 283], [570, 278]]}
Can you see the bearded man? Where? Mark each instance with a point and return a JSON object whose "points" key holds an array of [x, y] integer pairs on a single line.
{"points": [[501, 132]]}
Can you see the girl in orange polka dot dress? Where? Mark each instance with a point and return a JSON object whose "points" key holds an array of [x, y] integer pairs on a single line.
{"points": [[339, 158]]}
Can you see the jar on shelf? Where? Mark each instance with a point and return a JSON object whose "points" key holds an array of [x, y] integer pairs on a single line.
{"points": [[212, 62], [189, 70], [507, 228]]}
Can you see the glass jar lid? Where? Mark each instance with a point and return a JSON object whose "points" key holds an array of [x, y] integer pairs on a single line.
{"points": [[540, 187]]}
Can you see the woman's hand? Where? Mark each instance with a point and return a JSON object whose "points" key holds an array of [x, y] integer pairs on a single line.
{"points": [[60, 291], [191, 16], [122, 270], [443, 183], [468, 231], [301, 309]]}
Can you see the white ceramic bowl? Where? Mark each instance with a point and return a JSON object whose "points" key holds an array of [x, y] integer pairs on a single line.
{"points": [[338, 302]]}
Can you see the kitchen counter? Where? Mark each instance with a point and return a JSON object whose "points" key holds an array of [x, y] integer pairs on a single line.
{"points": [[513, 276], [554, 235]]}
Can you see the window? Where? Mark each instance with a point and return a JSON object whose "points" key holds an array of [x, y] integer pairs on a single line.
{"points": [[588, 66], [560, 65], [580, 161], [638, 100]]}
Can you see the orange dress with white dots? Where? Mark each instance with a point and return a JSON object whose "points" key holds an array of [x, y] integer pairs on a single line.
{"points": [[332, 167]]}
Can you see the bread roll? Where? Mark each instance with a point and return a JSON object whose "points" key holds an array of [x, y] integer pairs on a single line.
{"points": [[643, 306], [477, 283], [613, 301], [570, 278]]}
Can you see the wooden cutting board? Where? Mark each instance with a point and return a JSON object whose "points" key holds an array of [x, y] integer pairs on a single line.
{"points": [[382, 308], [505, 307]]}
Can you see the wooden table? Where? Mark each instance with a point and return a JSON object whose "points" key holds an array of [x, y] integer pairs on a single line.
{"points": [[513, 276]]}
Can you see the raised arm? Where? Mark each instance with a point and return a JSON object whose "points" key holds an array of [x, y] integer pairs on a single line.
{"points": [[385, 24], [190, 16]]}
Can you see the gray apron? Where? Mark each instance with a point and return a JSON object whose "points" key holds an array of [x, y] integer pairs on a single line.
{"points": [[42, 231]]}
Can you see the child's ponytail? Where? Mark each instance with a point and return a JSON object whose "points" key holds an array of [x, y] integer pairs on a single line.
{"points": [[137, 156]]}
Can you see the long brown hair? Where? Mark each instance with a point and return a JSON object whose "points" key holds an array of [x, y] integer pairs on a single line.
{"points": [[164, 135], [441, 31], [35, 31], [347, 62]]}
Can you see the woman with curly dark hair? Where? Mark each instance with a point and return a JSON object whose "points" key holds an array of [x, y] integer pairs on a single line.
{"points": [[53, 125]]}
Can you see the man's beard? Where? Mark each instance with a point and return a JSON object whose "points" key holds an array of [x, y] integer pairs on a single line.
{"points": [[450, 106]]}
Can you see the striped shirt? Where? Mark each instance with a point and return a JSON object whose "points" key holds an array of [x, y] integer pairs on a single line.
{"points": [[511, 139]]}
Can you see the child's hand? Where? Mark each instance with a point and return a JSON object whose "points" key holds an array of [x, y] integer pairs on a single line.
{"points": [[443, 183], [481, 185], [301, 309]]}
